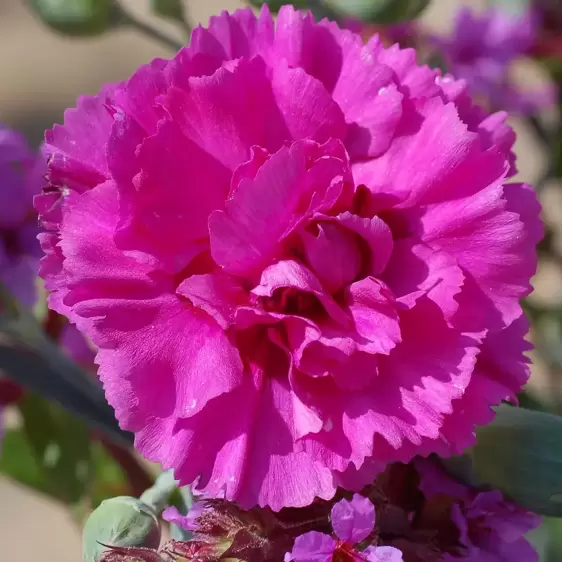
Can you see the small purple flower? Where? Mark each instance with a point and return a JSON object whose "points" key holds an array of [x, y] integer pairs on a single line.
{"points": [[187, 522], [352, 521]]}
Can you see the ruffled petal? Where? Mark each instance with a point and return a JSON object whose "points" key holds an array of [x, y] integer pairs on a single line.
{"points": [[285, 192]]}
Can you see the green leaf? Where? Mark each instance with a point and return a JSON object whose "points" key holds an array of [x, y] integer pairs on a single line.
{"points": [[520, 453], [76, 17], [61, 447], [379, 11], [32, 360], [18, 462]]}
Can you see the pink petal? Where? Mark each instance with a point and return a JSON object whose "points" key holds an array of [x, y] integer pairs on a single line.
{"points": [[81, 164], [248, 234], [305, 45], [376, 234], [312, 547], [137, 98], [178, 187], [349, 356], [291, 274], [122, 305], [295, 94], [236, 35], [333, 254], [188, 521], [353, 521], [492, 235], [416, 269], [407, 401], [227, 113], [246, 459], [373, 122], [218, 295], [457, 164], [417, 81], [382, 554], [242, 106]]}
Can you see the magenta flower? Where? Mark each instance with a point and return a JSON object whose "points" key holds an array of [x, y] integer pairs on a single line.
{"points": [[299, 256], [490, 527], [352, 521], [481, 51], [20, 180]]}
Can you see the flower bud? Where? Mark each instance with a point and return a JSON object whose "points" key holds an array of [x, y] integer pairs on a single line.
{"points": [[379, 11], [76, 17], [120, 522]]}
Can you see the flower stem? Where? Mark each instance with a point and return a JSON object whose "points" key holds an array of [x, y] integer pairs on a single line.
{"points": [[147, 29]]}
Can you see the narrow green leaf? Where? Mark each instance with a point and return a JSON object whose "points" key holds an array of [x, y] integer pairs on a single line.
{"points": [[18, 462], [32, 360], [61, 447], [520, 453]]}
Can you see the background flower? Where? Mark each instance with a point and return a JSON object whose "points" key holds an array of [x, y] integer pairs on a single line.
{"points": [[20, 179], [280, 305], [353, 521], [490, 527], [481, 51]]}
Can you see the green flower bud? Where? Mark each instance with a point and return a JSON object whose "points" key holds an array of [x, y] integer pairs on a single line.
{"points": [[76, 17], [379, 11], [120, 522]]}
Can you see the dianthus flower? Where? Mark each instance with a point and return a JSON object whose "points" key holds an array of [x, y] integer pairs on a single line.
{"points": [[481, 51], [20, 180], [299, 256], [489, 527], [352, 521]]}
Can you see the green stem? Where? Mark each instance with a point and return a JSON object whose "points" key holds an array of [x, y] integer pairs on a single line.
{"points": [[147, 29]]}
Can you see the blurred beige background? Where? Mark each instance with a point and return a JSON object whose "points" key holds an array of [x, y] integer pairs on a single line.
{"points": [[40, 75]]}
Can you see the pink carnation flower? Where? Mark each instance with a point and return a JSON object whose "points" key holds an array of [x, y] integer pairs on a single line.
{"points": [[352, 521], [490, 528], [299, 256]]}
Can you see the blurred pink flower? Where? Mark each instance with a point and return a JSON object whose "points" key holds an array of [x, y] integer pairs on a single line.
{"points": [[300, 257], [20, 180], [481, 51]]}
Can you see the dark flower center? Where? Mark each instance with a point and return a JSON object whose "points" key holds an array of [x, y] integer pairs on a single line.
{"points": [[293, 302]]}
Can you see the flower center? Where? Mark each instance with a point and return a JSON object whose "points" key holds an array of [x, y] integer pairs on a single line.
{"points": [[293, 302]]}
